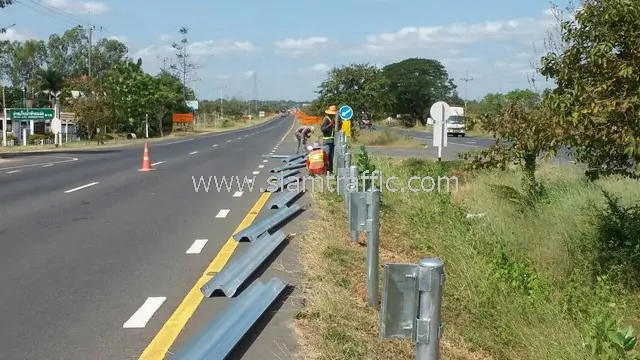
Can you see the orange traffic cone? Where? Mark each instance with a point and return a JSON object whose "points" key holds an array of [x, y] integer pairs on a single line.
{"points": [[146, 160]]}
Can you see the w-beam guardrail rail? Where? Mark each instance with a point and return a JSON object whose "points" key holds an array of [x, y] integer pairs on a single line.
{"points": [[292, 166], [236, 272], [218, 338], [252, 232], [283, 199], [222, 334]]}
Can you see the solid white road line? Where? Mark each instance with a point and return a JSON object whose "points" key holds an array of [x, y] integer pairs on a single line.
{"points": [[66, 159], [13, 171], [141, 317], [256, 172], [223, 213], [193, 153], [260, 166], [47, 165], [238, 193], [81, 187], [157, 163], [197, 246], [174, 142]]}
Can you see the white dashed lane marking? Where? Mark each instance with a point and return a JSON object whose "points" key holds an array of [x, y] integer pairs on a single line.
{"points": [[197, 246], [256, 172], [193, 153], [223, 213], [81, 187], [214, 145], [141, 317], [157, 163], [228, 140], [260, 166], [13, 171], [264, 161], [238, 193]]}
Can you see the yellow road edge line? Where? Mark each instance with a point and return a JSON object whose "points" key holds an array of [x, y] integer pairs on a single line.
{"points": [[164, 339]]}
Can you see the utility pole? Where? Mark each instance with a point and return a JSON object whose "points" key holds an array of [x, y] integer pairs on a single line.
{"points": [[4, 119], [91, 29], [255, 90], [164, 60], [222, 87], [466, 80]]}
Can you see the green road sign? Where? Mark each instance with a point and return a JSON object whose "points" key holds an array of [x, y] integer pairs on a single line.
{"points": [[38, 115]]}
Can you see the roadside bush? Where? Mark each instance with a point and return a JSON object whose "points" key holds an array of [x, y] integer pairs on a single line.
{"points": [[35, 138]]}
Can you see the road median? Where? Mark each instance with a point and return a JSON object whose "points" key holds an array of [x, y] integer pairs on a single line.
{"points": [[525, 281]]}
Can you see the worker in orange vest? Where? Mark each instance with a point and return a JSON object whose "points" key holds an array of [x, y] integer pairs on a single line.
{"points": [[317, 160]]}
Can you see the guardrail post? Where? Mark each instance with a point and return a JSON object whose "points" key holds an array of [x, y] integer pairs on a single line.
{"points": [[373, 245], [429, 324], [353, 176]]}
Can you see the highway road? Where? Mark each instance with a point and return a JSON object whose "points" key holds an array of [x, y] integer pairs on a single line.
{"points": [[95, 256]]}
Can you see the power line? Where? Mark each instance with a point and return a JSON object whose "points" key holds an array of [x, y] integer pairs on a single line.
{"points": [[58, 11]]}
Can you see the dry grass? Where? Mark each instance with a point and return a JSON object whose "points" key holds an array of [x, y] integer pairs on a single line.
{"points": [[386, 138], [517, 285]]}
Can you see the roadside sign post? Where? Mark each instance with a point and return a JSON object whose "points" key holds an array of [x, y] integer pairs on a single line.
{"points": [[56, 127], [346, 114], [440, 113], [4, 119], [146, 126]]}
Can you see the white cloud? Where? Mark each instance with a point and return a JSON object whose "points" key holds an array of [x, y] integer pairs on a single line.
{"points": [[15, 35], [526, 29], [320, 68], [122, 39], [249, 73], [221, 47], [165, 37], [78, 7], [298, 47]]}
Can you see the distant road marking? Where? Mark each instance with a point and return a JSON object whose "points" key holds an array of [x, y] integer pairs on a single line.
{"points": [[141, 317], [240, 138], [287, 133], [228, 140], [157, 163], [264, 161], [162, 342], [223, 213], [13, 171], [66, 159], [238, 193], [197, 246], [81, 187], [214, 145], [47, 165], [173, 142], [260, 166], [256, 172], [193, 153]]}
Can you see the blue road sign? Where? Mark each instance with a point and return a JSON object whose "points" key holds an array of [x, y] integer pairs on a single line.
{"points": [[346, 112]]}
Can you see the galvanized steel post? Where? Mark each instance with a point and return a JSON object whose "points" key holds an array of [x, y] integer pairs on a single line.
{"points": [[429, 323], [373, 245], [353, 175]]}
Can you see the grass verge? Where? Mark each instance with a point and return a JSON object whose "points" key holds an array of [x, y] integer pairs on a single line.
{"points": [[522, 282], [386, 138]]}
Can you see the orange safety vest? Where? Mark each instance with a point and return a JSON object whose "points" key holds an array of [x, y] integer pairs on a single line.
{"points": [[317, 161]]}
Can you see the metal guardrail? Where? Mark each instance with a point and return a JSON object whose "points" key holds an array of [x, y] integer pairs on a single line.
{"points": [[412, 293], [235, 274], [293, 166], [283, 199], [223, 333], [258, 228]]}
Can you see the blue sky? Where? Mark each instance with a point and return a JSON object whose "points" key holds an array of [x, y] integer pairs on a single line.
{"points": [[289, 44]]}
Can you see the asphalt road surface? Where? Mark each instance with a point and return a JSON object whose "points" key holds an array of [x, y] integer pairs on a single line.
{"points": [[95, 255], [455, 145]]}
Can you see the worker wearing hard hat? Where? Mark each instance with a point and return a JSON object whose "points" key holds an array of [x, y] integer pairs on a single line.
{"points": [[328, 129]]}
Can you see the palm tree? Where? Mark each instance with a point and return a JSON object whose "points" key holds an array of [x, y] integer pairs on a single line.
{"points": [[50, 82]]}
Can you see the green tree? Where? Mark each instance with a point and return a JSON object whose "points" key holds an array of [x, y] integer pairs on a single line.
{"points": [[524, 129], [165, 97], [128, 88], [416, 84], [361, 86], [50, 82], [596, 98], [67, 53], [93, 109]]}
